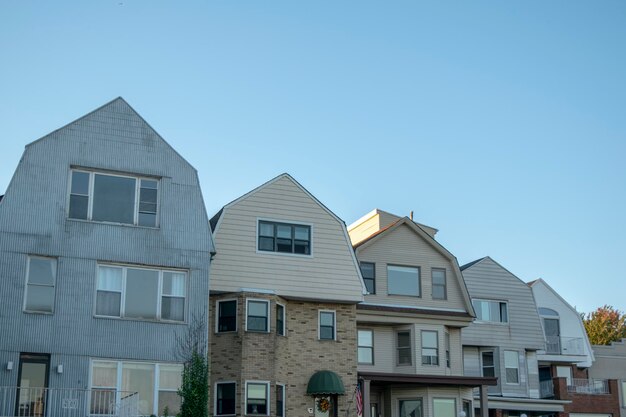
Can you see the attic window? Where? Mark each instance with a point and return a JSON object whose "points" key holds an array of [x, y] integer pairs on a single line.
{"points": [[113, 198], [284, 237]]}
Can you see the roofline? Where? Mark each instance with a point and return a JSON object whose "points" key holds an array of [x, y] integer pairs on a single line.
{"points": [[376, 211]]}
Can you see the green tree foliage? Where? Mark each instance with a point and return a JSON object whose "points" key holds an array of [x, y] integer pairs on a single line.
{"points": [[194, 390], [605, 325]]}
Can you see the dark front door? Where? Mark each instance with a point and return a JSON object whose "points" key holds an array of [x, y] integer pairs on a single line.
{"points": [[32, 383]]}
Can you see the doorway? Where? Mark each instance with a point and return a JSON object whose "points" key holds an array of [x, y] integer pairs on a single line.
{"points": [[32, 384]]}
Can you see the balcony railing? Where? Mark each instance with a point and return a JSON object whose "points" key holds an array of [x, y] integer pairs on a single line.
{"points": [[557, 345], [67, 402], [586, 386], [546, 388]]}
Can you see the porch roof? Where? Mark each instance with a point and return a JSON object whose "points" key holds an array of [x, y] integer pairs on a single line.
{"points": [[465, 381]]}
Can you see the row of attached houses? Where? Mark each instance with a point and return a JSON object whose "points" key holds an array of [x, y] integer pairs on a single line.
{"points": [[106, 251]]}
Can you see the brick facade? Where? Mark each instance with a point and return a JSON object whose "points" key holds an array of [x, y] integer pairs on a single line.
{"points": [[291, 359], [588, 403]]}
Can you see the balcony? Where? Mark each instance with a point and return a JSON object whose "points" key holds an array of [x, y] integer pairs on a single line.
{"points": [[590, 387], [557, 345], [67, 402]]}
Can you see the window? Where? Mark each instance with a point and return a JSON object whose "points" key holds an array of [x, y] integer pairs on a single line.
{"points": [[410, 408], [280, 319], [439, 284], [467, 408], [226, 316], [403, 280], [141, 293], [403, 347], [488, 364], [225, 398], [368, 272], [327, 325], [113, 198], [444, 407], [511, 366], [564, 372], [491, 311], [366, 346], [430, 348], [447, 340], [623, 394], [280, 400], [258, 316], [284, 237], [40, 281], [257, 398], [137, 377]]}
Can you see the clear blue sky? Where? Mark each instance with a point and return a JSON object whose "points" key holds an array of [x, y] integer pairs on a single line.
{"points": [[503, 124]]}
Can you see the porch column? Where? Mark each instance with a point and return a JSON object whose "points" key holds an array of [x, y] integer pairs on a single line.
{"points": [[484, 404], [367, 409]]}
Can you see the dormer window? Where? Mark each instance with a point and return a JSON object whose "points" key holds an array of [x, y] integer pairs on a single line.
{"points": [[284, 237], [491, 311], [113, 198]]}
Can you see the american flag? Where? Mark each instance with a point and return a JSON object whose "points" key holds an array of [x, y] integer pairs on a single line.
{"points": [[359, 401]]}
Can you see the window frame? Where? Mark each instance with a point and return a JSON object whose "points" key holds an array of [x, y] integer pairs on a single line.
{"points": [[371, 348], [482, 363], [319, 324], [160, 295], [506, 377], [217, 315], [267, 397], [398, 347], [470, 407], [156, 387], [90, 196], [215, 397], [419, 280], [445, 283], [446, 336], [291, 223], [55, 270], [281, 331], [420, 399], [373, 278], [267, 319], [456, 410], [429, 347], [500, 303], [283, 390]]}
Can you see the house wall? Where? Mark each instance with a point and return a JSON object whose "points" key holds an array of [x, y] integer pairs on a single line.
{"points": [[610, 363], [33, 221], [330, 273], [291, 359], [402, 246]]}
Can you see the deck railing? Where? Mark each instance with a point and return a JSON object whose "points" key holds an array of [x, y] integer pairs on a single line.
{"points": [[587, 386], [67, 402], [557, 345]]}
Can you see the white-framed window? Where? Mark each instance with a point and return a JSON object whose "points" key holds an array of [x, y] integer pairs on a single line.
{"points": [[113, 198], [141, 293], [403, 280], [439, 285], [410, 407], [284, 237], [403, 348], [280, 400], [327, 325], [511, 366], [41, 273], [225, 398], [430, 347], [226, 317], [365, 346], [156, 385], [565, 372], [444, 407], [257, 398], [488, 364], [492, 311], [280, 319], [368, 272], [257, 315]]}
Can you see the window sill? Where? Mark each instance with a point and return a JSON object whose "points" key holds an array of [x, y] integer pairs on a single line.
{"points": [[180, 323], [259, 332], [289, 254], [112, 223], [405, 295], [226, 332], [43, 313]]}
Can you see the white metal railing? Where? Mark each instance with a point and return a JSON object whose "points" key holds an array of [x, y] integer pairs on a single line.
{"points": [[557, 345], [67, 402], [586, 386], [546, 388]]}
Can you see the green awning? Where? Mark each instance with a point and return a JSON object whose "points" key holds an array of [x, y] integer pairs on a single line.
{"points": [[325, 382]]}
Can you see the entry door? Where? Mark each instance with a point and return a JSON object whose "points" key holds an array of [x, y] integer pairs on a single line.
{"points": [[32, 384], [553, 335]]}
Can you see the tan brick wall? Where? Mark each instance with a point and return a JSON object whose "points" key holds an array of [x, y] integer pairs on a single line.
{"points": [[291, 360]]}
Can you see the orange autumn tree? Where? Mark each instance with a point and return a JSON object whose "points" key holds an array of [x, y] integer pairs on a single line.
{"points": [[605, 325]]}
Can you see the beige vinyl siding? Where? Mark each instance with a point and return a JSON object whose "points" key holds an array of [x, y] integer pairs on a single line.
{"points": [[402, 246], [365, 229], [330, 273]]}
